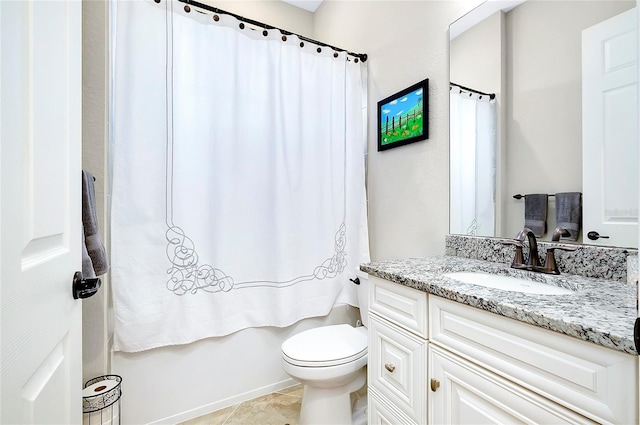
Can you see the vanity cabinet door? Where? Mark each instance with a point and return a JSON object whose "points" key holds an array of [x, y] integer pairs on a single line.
{"points": [[598, 382], [463, 393], [397, 367]]}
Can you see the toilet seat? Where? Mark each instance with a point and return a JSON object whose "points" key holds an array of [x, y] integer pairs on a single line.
{"points": [[325, 346]]}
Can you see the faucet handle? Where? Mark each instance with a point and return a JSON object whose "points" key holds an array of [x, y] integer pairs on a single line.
{"points": [[516, 242], [551, 265], [562, 247], [558, 232], [518, 259]]}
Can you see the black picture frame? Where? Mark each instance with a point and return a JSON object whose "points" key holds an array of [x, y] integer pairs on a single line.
{"points": [[403, 117]]}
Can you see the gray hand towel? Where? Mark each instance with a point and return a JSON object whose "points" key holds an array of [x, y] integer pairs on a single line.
{"points": [[569, 213], [92, 241], [87, 265], [535, 213]]}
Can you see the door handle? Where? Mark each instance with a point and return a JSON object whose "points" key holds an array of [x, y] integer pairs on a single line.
{"points": [[435, 384], [594, 236], [636, 334], [84, 288]]}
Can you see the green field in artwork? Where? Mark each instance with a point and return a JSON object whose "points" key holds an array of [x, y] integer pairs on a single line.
{"points": [[407, 126]]}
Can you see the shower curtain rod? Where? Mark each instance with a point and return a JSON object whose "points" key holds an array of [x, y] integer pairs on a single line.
{"points": [[361, 56], [491, 95]]}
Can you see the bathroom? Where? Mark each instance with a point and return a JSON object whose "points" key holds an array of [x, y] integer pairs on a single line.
{"points": [[401, 223], [408, 197]]}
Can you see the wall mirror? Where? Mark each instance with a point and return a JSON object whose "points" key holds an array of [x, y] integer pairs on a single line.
{"points": [[532, 135]]}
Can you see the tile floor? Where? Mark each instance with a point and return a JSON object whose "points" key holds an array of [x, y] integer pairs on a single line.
{"points": [[278, 408]]}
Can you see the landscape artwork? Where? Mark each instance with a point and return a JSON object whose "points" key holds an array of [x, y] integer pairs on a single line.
{"points": [[402, 117]]}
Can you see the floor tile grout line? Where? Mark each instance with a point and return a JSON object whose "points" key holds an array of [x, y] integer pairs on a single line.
{"points": [[234, 411], [283, 393], [289, 396]]}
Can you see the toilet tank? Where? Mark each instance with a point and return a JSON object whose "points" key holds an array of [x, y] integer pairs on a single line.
{"points": [[363, 296]]}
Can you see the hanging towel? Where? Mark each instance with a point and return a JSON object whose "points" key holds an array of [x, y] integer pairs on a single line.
{"points": [[535, 213], [569, 213], [92, 243], [87, 265]]}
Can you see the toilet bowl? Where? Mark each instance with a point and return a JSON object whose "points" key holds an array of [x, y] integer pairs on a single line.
{"points": [[330, 362]]}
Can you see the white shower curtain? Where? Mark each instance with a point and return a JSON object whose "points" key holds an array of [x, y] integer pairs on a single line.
{"points": [[238, 193], [473, 168]]}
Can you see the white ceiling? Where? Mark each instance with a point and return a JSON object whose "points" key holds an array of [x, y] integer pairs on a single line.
{"points": [[483, 11], [310, 5]]}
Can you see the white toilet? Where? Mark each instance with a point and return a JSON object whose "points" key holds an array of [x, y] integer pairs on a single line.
{"points": [[330, 362]]}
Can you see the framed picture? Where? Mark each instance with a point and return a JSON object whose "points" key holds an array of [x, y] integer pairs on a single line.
{"points": [[402, 117]]}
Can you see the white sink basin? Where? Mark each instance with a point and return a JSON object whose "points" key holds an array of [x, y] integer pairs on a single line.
{"points": [[507, 283]]}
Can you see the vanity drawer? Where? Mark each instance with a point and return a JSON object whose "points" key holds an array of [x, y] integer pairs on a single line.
{"points": [[380, 412], [594, 381], [397, 367], [404, 306]]}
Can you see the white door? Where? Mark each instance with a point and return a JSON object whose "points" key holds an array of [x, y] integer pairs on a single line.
{"points": [[40, 201], [610, 131]]}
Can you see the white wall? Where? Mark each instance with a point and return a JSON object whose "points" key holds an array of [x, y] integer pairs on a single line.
{"points": [[408, 186], [476, 56], [272, 12]]}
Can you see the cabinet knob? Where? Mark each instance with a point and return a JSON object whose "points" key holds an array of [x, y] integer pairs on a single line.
{"points": [[435, 384], [390, 367]]}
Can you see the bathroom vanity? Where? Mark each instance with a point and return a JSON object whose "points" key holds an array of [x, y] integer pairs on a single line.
{"points": [[443, 350], [446, 351]]}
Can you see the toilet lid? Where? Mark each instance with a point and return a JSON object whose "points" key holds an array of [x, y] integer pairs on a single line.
{"points": [[325, 346]]}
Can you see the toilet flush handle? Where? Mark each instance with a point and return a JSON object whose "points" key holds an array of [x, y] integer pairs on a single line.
{"points": [[390, 367]]}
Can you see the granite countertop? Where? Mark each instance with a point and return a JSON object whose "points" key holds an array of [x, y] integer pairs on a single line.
{"points": [[601, 311]]}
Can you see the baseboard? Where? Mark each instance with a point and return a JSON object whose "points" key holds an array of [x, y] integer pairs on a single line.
{"points": [[221, 404]]}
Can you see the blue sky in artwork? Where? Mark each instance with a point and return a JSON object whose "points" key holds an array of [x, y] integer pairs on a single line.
{"points": [[400, 106]]}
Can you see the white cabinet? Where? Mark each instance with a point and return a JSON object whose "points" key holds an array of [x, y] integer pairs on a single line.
{"points": [[594, 381], [436, 361], [469, 394], [382, 412], [397, 365], [404, 306]]}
